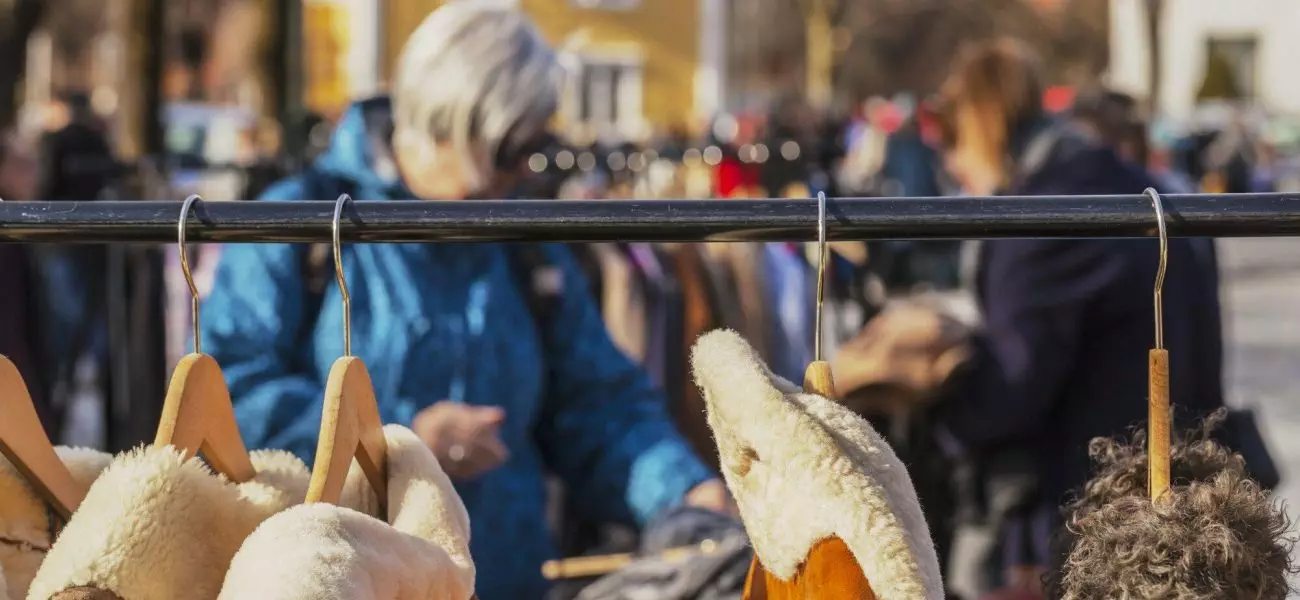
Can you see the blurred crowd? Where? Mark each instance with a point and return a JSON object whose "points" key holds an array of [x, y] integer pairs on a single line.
{"points": [[988, 366]]}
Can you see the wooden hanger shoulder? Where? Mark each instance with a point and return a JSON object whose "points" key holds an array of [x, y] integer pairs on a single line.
{"points": [[830, 571], [350, 428], [23, 441], [198, 417]]}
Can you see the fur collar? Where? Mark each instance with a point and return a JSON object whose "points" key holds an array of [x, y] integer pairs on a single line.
{"points": [[156, 527], [419, 551], [804, 468]]}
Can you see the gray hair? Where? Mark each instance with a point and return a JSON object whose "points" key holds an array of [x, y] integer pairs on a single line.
{"points": [[475, 72]]}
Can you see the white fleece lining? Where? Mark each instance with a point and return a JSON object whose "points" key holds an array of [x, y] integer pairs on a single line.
{"points": [[24, 517], [157, 527], [325, 552], [821, 471]]}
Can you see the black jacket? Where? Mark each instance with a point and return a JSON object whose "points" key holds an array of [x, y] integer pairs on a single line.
{"points": [[77, 163], [1068, 324], [20, 339]]}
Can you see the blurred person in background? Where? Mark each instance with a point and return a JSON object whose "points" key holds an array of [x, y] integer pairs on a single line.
{"points": [[674, 145], [1114, 118], [910, 169], [1062, 356], [1218, 159], [734, 176], [76, 165], [504, 381], [786, 137], [1264, 173], [77, 160], [266, 163], [20, 337]]}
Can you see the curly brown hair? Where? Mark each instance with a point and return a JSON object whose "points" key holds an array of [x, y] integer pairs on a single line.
{"points": [[1219, 536]]}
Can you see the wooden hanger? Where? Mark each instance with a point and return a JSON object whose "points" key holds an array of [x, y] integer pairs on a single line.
{"points": [[197, 415], [350, 423], [579, 567], [817, 377], [24, 443], [1158, 412], [829, 571]]}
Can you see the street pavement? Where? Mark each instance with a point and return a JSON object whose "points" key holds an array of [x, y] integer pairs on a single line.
{"points": [[1261, 303]]}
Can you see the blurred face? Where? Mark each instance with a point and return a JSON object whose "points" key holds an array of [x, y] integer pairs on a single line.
{"points": [[441, 172]]}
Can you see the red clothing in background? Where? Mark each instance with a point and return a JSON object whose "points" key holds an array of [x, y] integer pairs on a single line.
{"points": [[732, 175]]}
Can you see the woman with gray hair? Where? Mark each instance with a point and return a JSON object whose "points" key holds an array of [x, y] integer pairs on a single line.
{"points": [[504, 382]]}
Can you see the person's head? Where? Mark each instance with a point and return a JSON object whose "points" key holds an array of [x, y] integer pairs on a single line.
{"points": [[473, 91], [993, 92], [1218, 535], [1115, 119], [77, 106]]}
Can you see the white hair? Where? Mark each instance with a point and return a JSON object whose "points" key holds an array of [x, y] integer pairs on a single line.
{"points": [[474, 73]]}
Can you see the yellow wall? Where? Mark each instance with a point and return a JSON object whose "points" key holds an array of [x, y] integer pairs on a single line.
{"points": [[666, 33]]}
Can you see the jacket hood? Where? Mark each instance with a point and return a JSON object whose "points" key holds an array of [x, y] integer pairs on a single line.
{"points": [[1058, 159], [361, 153]]}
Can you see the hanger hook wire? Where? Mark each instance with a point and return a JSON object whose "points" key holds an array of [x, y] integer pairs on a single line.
{"points": [[1164, 263], [185, 268], [342, 200], [821, 274]]}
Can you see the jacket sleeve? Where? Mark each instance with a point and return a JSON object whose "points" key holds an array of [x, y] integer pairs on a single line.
{"points": [[1035, 296], [604, 427], [251, 323]]}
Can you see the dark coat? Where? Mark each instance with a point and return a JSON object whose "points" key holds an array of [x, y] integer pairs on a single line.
{"points": [[19, 333], [1063, 357], [76, 163]]}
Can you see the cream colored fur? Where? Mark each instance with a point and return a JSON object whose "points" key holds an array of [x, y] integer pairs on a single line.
{"points": [[157, 527], [324, 552], [814, 470], [24, 517]]}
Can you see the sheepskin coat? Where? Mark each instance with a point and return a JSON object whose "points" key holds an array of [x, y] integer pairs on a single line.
{"points": [[155, 526], [418, 551], [804, 468], [25, 518]]}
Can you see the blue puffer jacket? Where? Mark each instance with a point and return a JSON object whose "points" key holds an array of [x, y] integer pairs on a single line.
{"points": [[435, 322]]}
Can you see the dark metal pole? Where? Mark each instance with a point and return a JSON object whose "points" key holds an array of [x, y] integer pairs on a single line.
{"points": [[292, 78], [1193, 215], [153, 134]]}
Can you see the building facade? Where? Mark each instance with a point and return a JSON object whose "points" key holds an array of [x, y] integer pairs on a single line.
{"points": [[634, 65], [1255, 40]]}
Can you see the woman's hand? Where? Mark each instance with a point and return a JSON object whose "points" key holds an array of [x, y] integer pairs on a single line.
{"points": [[713, 495], [465, 438]]}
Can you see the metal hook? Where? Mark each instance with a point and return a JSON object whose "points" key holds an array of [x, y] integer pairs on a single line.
{"points": [[338, 273], [185, 268], [821, 273], [1164, 263]]}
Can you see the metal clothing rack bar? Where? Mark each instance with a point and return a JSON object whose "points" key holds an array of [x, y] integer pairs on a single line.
{"points": [[1188, 215]]}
